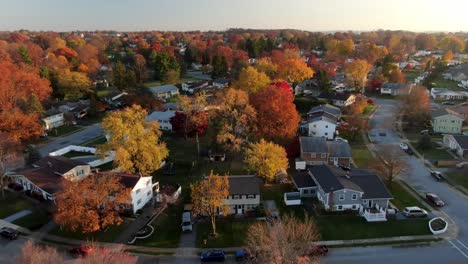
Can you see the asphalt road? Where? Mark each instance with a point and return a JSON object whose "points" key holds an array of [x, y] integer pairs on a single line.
{"points": [[88, 133]]}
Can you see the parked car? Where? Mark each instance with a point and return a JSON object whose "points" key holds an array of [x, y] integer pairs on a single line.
{"points": [[186, 222], [409, 151], [448, 103], [434, 199], [404, 146], [414, 211], [213, 255], [9, 233], [341, 139], [437, 175], [81, 251]]}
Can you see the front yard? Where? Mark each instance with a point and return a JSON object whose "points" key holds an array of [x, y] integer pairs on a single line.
{"points": [[63, 130], [362, 157], [276, 193], [108, 235], [231, 233], [35, 220], [13, 203], [459, 177], [402, 198]]}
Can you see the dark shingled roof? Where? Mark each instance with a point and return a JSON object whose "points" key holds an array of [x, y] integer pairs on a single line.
{"points": [[326, 178], [313, 144], [334, 96], [339, 149], [322, 116], [302, 179], [127, 180], [393, 86], [371, 184], [58, 164], [462, 141], [239, 185], [325, 108], [442, 112]]}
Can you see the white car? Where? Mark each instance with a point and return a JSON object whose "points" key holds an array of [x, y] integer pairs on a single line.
{"points": [[404, 146], [341, 139]]}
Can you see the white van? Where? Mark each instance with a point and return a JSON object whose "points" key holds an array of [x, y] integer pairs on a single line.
{"points": [[187, 222]]}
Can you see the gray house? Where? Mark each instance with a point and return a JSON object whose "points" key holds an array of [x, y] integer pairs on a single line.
{"points": [[357, 190]]}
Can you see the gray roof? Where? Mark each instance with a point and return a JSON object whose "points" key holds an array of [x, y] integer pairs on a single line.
{"points": [[52, 112], [326, 108], [302, 179], [326, 178], [163, 88], [339, 149], [313, 144], [221, 81], [394, 86], [160, 115], [441, 112], [322, 116], [245, 184], [462, 141], [370, 184]]}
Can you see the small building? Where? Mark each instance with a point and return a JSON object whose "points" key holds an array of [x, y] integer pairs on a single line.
{"points": [[393, 88], [193, 87], [53, 118], [341, 99], [163, 118], [48, 175], [244, 194], [444, 121], [317, 150], [447, 94], [458, 144], [304, 183], [221, 83], [164, 91], [325, 108]]}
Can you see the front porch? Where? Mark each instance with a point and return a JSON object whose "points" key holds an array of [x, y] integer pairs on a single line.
{"points": [[374, 214]]}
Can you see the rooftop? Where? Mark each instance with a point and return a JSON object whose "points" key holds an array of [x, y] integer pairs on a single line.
{"points": [[163, 88], [244, 184], [160, 115]]}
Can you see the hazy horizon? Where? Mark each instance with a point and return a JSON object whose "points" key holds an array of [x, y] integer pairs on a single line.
{"points": [[211, 15]]}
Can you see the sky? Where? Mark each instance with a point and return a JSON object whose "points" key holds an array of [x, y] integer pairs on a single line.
{"points": [[185, 15]]}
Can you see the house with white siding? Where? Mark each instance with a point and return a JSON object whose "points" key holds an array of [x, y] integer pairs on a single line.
{"points": [[163, 118], [244, 194]]}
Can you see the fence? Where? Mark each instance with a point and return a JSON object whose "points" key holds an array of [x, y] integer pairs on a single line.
{"points": [[92, 151]]}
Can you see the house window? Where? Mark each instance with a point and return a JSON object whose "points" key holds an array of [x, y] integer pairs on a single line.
{"points": [[139, 201], [251, 196], [236, 197], [326, 126], [354, 207], [324, 155], [326, 133], [354, 197], [340, 207], [305, 191], [341, 197]]}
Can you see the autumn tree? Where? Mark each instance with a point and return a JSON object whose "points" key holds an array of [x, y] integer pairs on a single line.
{"points": [[235, 119], [172, 77], [356, 73], [140, 68], [425, 41], [208, 196], [197, 124], [294, 71], [32, 253], [396, 76], [90, 205], [266, 66], [447, 57], [266, 159], [123, 78], [415, 108], [136, 143], [163, 63], [193, 120], [452, 43], [391, 164], [277, 117], [108, 255], [356, 122], [220, 67], [74, 85], [251, 80], [7, 147], [285, 241]]}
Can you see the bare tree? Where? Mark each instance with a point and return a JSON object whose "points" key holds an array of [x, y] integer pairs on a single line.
{"points": [[108, 255], [284, 241], [35, 254], [392, 163]]}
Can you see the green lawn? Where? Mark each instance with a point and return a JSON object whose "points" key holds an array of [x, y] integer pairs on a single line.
{"points": [[34, 221], [167, 230], [101, 93], [303, 104], [459, 177], [13, 203], [443, 83], [230, 233], [73, 154], [152, 84], [402, 198], [276, 192], [346, 227], [95, 142], [108, 235], [435, 153], [63, 130], [362, 156]]}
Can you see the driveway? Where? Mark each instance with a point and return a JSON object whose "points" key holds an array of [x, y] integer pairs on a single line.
{"points": [[78, 138]]}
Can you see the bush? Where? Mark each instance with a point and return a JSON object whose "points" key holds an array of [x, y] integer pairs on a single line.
{"points": [[425, 142]]}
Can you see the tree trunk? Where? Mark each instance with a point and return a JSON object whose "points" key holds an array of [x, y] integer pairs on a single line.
{"points": [[213, 224]]}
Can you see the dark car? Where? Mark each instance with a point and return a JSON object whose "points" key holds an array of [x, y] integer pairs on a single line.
{"points": [[437, 175], [81, 251], [434, 199], [9, 233], [242, 255], [213, 255], [409, 151]]}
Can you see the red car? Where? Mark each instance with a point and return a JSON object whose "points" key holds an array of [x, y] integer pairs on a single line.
{"points": [[434, 199], [81, 251]]}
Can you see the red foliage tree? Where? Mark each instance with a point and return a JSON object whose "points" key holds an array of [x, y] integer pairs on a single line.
{"points": [[66, 52], [197, 124], [277, 117]]}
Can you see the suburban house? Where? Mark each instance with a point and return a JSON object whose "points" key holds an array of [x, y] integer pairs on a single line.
{"points": [[53, 118], [192, 87], [221, 83], [307, 87], [357, 190], [444, 121], [142, 189], [304, 184], [393, 88], [321, 121], [338, 99], [446, 94], [457, 73], [48, 174], [78, 109], [164, 91], [458, 144], [163, 118], [460, 110], [317, 150], [244, 194], [115, 100]]}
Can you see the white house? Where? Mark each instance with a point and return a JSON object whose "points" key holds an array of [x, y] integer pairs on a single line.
{"points": [[446, 94], [142, 187], [458, 144], [164, 91], [163, 118], [244, 194], [53, 118], [393, 88], [48, 174], [321, 125], [192, 87]]}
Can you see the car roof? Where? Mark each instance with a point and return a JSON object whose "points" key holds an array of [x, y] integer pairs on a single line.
{"points": [[412, 208]]}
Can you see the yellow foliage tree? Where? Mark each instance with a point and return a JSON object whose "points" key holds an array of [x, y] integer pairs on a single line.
{"points": [[136, 142], [251, 80], [267, 66], [208, 196], [266, 159], [356, 73], [294, 71]]}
